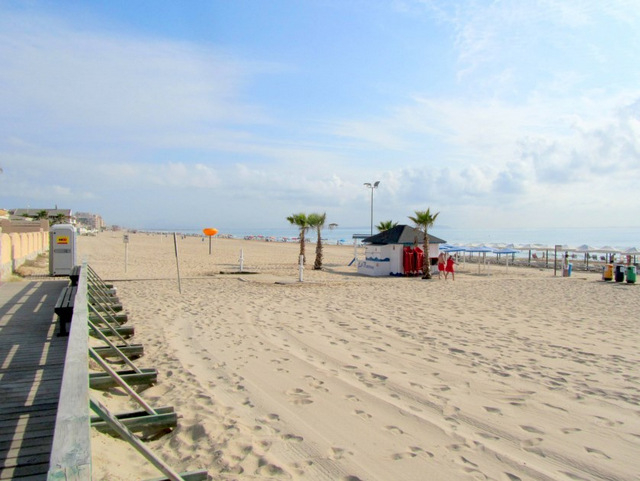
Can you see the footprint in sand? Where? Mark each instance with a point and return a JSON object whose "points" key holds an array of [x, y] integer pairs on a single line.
{"points": [[399, 456], [336, 453], [420, 452], [597, 453], [394, 429], [299, 396], [529, 443], [292, 437], [570, 430], [513, 477], [492, 410], [362, 414], [265, 468], [532, 429], [316, 383]]}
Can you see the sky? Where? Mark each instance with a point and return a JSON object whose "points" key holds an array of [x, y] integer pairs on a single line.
{"points": [[229, 114]]}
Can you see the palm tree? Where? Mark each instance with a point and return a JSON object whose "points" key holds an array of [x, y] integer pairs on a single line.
{"points": [[42, 214], [302, 222], [58, 219], [425, 219], [317, 221], [386, 225]]}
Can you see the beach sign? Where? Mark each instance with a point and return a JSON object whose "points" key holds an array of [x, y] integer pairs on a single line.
{"points": [[210, 232]]}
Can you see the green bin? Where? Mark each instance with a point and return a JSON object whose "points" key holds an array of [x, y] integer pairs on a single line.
{"points": [[631, 274]]}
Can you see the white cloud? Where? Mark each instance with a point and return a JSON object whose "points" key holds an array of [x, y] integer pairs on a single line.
{"points": [[117, 87]]}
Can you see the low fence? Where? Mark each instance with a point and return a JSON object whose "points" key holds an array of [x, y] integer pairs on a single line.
{"points": [[16, 248]]}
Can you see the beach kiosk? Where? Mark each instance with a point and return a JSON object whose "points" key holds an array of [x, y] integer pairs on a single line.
{"points": [[396, 252], [62, 249]]}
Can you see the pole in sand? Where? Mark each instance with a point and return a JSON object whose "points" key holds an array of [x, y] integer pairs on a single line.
{"points": [[125, 239], [210, 232], [241, 259], [175, 245]]}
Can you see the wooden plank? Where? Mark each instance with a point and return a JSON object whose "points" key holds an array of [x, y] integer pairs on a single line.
{"points": [[17, 472], [71, 449], [119, 318], [28, 443], [133, 414], [122, 331], [32, 360], [125, 434], [131, 351], [201, 475], [148, 423], [104, 381]]}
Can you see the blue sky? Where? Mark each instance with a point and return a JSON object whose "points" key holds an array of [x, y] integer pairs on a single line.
{"points": [[232, 114]]}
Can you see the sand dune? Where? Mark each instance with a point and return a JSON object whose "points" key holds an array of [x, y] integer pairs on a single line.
{"points": [[515, 376]]}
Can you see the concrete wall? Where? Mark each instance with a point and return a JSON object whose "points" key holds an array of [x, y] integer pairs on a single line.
{"points": [[18, 247], [8, 226]]}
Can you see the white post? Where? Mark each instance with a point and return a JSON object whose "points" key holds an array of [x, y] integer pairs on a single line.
{"points": [[125, 239], [355, 250], [241, 260], [301, 269], [175, 245]]}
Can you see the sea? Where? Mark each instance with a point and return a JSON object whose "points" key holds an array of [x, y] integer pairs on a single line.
{"points": [[620, 238]]}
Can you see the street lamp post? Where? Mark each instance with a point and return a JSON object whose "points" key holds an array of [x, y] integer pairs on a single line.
{"points": [[371, 186]]}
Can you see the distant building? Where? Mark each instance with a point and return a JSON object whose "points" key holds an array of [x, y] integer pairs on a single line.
{"points": [[90, 221], [57, 216]]}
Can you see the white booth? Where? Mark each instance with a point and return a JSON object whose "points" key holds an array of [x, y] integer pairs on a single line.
{"points": [[385, 253], [62, 249]]}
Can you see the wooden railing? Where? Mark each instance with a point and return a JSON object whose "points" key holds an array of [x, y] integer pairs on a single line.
{"points": [[71, 450]]}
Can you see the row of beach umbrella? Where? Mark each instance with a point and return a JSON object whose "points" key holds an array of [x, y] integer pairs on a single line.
{"points": [[500, 249], [516, 248]]}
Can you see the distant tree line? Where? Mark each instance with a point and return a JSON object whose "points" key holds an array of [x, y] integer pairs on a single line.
{"points": [[43, 214]]}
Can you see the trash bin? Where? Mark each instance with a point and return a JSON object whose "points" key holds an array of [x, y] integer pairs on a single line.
{"points": [[607, 273], [619, 273], [569, 269], [631, 274]]}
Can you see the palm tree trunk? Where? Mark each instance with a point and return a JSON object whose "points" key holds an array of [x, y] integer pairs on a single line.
{"points": [[304, 258], [318, 263], [426, 262]]}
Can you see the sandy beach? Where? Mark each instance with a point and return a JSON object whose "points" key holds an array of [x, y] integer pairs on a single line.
{"points": [[516, 375]]}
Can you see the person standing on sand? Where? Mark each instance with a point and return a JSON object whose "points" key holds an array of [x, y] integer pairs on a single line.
{"points": [[441, 262], [449, 268]]}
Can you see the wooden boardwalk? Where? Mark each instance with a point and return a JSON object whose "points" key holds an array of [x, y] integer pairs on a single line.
{"points": [[31, 365]]}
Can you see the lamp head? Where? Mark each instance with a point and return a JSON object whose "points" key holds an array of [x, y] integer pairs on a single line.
{"points": [[375, 186]]}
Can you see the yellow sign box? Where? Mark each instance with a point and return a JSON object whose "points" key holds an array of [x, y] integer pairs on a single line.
{"points": [[62, 239]]}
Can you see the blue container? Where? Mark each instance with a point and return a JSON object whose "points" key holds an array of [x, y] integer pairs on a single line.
{"points": [[569, 270]]}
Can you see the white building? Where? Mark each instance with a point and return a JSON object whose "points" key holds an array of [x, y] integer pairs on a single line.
{"points": [[397, 252]]}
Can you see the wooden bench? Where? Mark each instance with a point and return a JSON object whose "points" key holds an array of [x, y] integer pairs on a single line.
{"points": [[74, 275], [64, 308]]}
